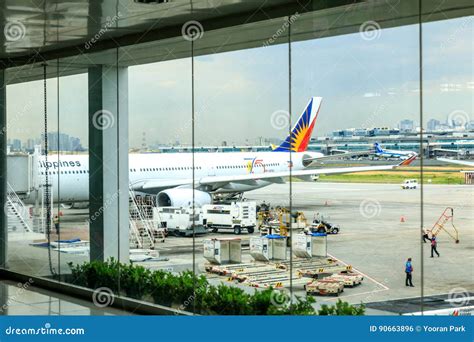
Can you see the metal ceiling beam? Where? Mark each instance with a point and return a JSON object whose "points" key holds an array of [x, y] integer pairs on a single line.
{"points": [[317, 19]]}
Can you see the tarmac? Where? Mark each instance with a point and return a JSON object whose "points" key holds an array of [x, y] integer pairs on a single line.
{"points": [[380, 228]]}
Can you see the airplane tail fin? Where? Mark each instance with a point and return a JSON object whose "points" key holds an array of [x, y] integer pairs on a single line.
{"points": [[300, 135], [409, 160], [377, 148]]}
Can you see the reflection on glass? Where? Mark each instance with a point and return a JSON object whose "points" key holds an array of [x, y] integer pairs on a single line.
{"points": [[71, 209], [241, 135], [292, 166], [370, 89], [30, 175], [448, 122]]}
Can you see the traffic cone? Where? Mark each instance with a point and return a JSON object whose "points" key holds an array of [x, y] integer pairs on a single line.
{"points": [[402, 219]]}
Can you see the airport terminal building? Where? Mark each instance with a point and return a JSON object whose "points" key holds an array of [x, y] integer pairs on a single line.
{"points": [[154, 147]]}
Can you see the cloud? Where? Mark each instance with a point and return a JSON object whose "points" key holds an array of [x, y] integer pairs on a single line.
{"points": [[371, 94], [236, 92]]}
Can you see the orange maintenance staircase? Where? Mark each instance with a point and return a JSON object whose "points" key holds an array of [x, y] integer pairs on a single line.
{"points": [[446, 216]]}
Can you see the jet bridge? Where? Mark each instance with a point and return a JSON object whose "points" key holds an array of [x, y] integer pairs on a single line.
{"points": [[19, 173], [23, 183], [22, 172]]}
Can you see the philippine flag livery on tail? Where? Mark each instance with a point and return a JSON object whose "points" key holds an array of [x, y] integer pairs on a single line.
{"points": [[300, 135]]}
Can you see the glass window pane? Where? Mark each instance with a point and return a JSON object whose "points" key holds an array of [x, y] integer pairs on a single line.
{"points": [[31, 174], [365, 66], [241, 123]]}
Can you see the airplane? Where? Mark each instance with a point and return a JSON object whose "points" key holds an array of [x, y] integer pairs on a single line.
{"points": [[176, 178], [380, 152], [454, 161]]}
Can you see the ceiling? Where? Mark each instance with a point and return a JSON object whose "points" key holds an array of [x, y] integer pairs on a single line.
{"points": [[44, 26], [73, 34]]}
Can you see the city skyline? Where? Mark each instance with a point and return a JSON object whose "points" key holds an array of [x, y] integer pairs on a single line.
{"points": [[73, 144], [57, 141], [376, 85]]}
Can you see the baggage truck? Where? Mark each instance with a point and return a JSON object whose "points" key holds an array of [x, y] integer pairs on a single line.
{"points": [[325, 287], [179, 221], [236, 216]]}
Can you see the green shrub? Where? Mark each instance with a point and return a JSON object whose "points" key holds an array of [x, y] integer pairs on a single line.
{"points": [[187, 281], [299, 306], [227, 300], [168, 289], [193, 293], [78, 276], [135, 280], [342, 309], [303, 306], [163, 286], [97, 274], [261, 301]]}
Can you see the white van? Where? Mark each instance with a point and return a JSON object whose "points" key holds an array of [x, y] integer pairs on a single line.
{"points": [[410, 184], [236, 216]]}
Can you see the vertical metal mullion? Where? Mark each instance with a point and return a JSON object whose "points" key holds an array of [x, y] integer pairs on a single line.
{"points": [[117, 101], [291, 162], [3, 170], [59, 193], [193, 173], [420, 42]]}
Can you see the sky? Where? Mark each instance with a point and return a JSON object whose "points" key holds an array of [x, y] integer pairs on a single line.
{"points": [[238, 95]]}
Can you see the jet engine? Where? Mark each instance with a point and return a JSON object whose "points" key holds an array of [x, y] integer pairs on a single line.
{"points": [[75, 205], [182, 198]]}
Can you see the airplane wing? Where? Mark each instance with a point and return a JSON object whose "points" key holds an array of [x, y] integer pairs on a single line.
{"points": [[345, 154], [211, 183], [453, 161], [160, 184]]}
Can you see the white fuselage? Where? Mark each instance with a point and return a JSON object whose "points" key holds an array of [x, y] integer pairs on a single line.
{"points": [[69, 174]]}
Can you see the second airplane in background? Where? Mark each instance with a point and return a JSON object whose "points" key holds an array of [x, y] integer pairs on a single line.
{"points": [[380, 152]]}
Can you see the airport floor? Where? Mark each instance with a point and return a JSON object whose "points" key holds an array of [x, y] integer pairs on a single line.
{"points": [[25, 299]]}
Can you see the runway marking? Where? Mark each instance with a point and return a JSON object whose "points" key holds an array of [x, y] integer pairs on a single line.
{"points": [[359, 294], [331, 189], [365, 275]]}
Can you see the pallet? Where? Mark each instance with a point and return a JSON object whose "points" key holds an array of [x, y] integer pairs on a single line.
{"points": [[348, 279], [315, 273], [278, 275]]}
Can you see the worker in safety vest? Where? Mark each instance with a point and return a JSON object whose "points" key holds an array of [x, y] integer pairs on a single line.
{"points": [[434, 244], [56, 223], [408, 272]]}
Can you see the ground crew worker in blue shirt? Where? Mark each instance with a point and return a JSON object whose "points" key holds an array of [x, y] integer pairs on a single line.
{"points": [[408, 271]]}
